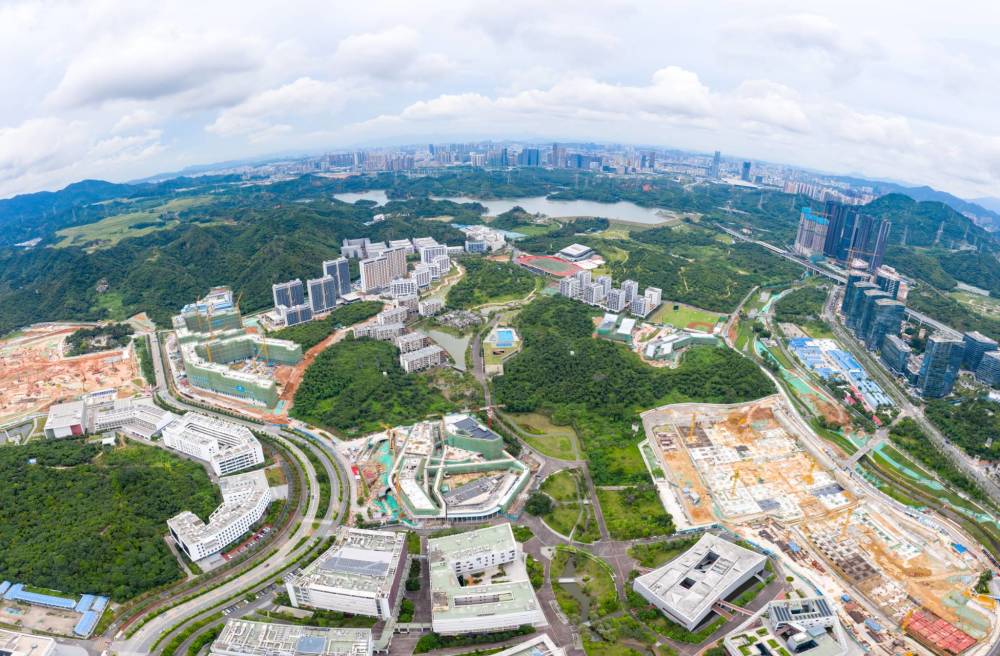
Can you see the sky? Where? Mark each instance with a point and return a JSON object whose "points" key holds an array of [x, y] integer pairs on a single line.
{"points": [[119, 90]]}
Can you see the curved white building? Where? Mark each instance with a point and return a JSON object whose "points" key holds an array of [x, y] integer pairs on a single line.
{"points": [[245, 498], [226, 446]]}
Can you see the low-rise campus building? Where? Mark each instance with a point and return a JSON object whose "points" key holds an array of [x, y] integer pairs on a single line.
{"points": [[360, 574], [246, 638], [245, 498], [479, 583], [25, 644], [225, 446], [686, 588]]}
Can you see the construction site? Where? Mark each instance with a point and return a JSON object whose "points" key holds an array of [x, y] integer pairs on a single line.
{"points": [[35, 373], [753, 469]]}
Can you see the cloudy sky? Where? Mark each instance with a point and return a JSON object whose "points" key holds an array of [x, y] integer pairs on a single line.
{"points": [[906, 90]]}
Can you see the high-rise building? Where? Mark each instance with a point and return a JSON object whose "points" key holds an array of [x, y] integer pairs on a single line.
{"points": [[855, 303], [396, 257], [296, 314], [889, 281], [745, 172], [569, 287], [557, 157], [942, 362], [866, 311], [811, 234], [885, 319], [840, 230], [375, 274], [631, 289], [869, 240], [715, 168], [653, 296], [340, 269], [638, 306], [529, 157], [584, 278], [593, 294], [615, 301], [322, 293], [895, 354], [976, 346], [854, 277], [288, 293], [605, 282], [401, 287], [429, 253], [988, 370]]}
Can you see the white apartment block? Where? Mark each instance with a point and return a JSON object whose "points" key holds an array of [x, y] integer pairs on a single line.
{"points": [[375, 274], [423, 242], [654, 296], [245, 498], [430, 307], [430, 253], [424, 358], [443, 264], [412, 342], [401, 287], [383, 332], [226, 446], [569, 287], [421, 274], [405, 244], [638, 306], [246, 638], [360, 574], [392, 315]]}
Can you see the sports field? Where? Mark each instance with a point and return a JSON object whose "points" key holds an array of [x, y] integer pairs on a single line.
{"points": [[686, 316], [548, 265]]}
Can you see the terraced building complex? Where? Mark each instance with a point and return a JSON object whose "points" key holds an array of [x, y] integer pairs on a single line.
{"points": [[245, 638]]}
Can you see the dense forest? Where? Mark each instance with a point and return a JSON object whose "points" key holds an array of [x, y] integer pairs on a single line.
{"points": [[99, 338], [356, 386], [802, 306], [973, 424], [907, 434], [487, 281], [105, 515], [309, 334], [598, 386]]}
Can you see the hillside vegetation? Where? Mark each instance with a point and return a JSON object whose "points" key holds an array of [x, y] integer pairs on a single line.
{"points": [[357, 386], [87, 520], [599, 386], [308, 335], [486, 281]]}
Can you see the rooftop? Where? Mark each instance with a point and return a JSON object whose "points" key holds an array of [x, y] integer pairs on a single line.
{"points": [[359, 560], [242, 637], [24, 644], [576, 250], [240, 494], [210, 432], [691, 583], [539, 645]]}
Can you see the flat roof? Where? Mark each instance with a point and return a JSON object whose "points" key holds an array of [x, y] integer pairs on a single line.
{"points": [[246, 638], [539, 645], [24, 643], [62, 415], [360, 560], [241, 493], [691, 583], [576, 250], [451, 600]]}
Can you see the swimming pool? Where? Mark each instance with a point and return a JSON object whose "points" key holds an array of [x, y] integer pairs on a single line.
{"points": [[505, 338]]}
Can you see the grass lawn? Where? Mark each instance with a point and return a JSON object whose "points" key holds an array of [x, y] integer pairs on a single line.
{"points": [[594, 594], [658, 553], [547, 438], [631, 515], [109, 231], [563, 486], [684, 315], [563, 518]]}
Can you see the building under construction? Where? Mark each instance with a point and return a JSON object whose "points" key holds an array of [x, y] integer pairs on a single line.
{"points": [[220, 357]]}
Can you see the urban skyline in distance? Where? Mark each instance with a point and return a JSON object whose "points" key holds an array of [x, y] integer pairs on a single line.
{"points": [[131, 91]]}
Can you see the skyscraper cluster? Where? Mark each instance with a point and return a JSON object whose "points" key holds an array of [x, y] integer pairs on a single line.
{"points": [[290, 298], [843, 234]]}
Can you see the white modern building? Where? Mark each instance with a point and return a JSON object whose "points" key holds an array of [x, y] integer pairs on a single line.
{"points": [[428, 254], [686, 588], [384, 332], [226, 446], [66, 420], [539, 645], [360, 574], [488, 597], [403, 287], [576, 253], [423, 358], [246, 638], [801, 626], [25, 644], [245, 498], [140, 417], [412, 342]]}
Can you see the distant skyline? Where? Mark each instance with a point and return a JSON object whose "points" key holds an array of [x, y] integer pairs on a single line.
{"points": [[123, 90]]}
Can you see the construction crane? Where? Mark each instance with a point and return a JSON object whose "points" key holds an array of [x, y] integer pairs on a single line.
{"points": [[694, 419], [736, 479]]}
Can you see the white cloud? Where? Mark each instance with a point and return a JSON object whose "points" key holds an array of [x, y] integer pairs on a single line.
{"points": [[152, 66], [257, 114], [389, 54]]}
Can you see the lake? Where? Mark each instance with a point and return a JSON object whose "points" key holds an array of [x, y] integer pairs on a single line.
{"points": [[622, 210], [456, 346], [377, 195]]}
